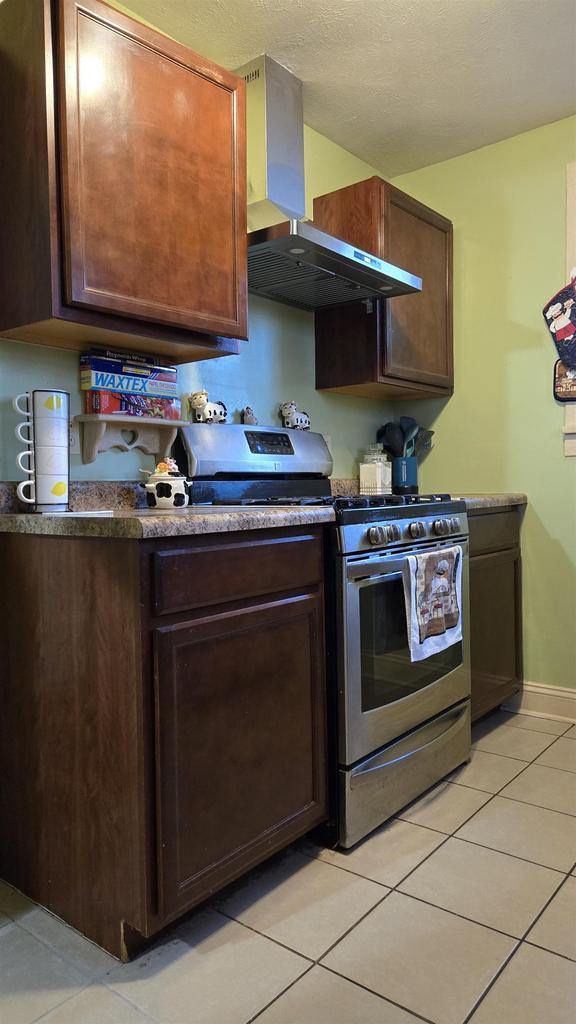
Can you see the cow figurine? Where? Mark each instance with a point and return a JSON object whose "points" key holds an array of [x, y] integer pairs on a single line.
{"points": [[204, 411], [249, 417], [292, 418], [166, 487]]}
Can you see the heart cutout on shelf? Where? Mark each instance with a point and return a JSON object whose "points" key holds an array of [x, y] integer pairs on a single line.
{"points": [[129, 437]]}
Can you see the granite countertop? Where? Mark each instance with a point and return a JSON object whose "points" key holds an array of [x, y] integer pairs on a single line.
{"points": [[488, 501], [137, 525]]}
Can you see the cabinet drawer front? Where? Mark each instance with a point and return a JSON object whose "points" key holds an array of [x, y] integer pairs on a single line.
{"points": [[493, 531], [186, 578], [153, 175], [241, 742]]}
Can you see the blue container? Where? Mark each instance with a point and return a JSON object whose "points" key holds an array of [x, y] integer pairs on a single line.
{"points": [[405, 475]]}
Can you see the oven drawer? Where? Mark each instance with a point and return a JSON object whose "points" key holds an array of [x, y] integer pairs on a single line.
{"points": [[382, 784]]}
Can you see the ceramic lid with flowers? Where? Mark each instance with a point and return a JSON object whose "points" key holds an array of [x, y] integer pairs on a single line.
{"points": [[166, 487]]}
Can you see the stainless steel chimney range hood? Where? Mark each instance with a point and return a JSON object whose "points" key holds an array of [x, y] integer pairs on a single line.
{"points": [[293, 262], [299, 265]]}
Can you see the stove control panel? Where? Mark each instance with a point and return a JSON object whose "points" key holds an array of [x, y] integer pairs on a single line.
{"points": [[385, 534], [416, 530], [403, 532]]}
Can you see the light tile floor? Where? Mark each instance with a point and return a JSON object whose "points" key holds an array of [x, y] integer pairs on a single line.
{"points": [[461, 909]]}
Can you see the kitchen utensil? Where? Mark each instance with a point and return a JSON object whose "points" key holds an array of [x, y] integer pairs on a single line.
{"points": [[46, 457], [423, 441], [409, 428], [392, 437]]}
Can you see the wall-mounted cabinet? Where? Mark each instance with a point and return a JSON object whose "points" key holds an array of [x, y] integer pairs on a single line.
{"points": [[123, 184], [396, 348]]}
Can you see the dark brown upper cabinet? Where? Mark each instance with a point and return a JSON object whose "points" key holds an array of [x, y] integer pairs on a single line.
{"points": [[397, 348], [124, 160]]}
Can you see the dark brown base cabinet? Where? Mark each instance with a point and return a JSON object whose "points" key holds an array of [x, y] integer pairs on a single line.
{"points": [[162, 719], [399, 348], [495, 608]]}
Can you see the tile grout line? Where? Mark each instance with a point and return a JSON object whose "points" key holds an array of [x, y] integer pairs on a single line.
{"points": [[385, 999], [452, 835], [541, 732], [99, 980], [280, 994], [491, 984], [250, 928], [521, 942], [542, 807], [552, 741]]}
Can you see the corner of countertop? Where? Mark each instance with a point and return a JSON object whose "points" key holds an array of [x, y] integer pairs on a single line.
{"points": [[495, 500]]}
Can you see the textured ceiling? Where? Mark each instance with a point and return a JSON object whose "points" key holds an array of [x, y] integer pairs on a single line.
{"points": [[399, 83]]}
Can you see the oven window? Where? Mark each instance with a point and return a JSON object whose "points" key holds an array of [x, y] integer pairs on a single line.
{"points": [[387, 672]]}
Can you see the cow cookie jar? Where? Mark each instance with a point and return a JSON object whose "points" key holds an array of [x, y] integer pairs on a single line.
{"points": [[166, 487]]}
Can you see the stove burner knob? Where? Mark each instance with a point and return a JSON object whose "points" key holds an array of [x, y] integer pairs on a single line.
{"points": [[376, 535], [441, 527], [394, 532], [416, 530], [455, 524]]}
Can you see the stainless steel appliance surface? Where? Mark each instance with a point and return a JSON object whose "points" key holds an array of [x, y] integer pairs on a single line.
{"points": [[293, 262], [297, 264], [219, 450], [402, 725], [399, 726]]}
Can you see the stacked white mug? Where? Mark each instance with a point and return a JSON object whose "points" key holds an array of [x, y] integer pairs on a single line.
{"points": [[46, 458]]}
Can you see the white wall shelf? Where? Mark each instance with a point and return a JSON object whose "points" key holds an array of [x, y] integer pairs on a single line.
{"points": [[100, 432]]}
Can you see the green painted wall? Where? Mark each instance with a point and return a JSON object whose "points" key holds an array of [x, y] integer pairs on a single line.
{"points": [[501, 431], [275, 365]]}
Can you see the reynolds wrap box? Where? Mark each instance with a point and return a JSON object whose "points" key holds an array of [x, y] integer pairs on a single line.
{"points": [[114, 403], [126, 374]]}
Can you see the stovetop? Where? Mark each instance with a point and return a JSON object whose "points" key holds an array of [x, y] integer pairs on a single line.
{"points": [[357, 508]]}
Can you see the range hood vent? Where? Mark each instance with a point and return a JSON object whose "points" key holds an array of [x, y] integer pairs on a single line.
{"points": [[299, 265], [294, 262]]}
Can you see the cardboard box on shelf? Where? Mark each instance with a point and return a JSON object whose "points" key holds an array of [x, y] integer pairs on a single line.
{"points": [[113, 402], [112, 373]]}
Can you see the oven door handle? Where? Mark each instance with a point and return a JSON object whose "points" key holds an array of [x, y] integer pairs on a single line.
{"points": [[371, 573], [362, 774]]}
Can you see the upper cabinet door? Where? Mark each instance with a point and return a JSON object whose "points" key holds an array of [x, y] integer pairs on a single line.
{"points": [[153, 174], [418, 332]]}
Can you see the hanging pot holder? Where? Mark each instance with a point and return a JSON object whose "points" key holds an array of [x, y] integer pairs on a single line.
{"points": [[564, 383], [560, 316]]}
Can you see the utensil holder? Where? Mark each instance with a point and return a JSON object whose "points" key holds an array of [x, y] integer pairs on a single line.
{"points": [[405, 475]]}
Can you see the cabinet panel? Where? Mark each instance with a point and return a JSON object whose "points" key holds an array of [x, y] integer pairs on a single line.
{"points": [[153, 175], [241, 765], [395, 348], [494, 531], [418, 338], [233, 570], [495, 628]]}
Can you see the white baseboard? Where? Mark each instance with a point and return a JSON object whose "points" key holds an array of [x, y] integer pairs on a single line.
{"points": [[544, 701]]}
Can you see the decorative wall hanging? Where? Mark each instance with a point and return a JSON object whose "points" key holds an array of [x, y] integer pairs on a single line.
{"points": [[560, 316], [564, 383]]}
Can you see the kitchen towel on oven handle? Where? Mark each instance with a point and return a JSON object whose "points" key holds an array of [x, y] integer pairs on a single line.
{"points": [[433, 597]]}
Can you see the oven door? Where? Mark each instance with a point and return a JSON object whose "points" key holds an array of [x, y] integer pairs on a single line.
{"points": [[382, 693]]}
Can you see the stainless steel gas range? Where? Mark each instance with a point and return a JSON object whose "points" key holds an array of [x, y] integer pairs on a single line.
{"points": [[402, 725], [399, 725]]}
